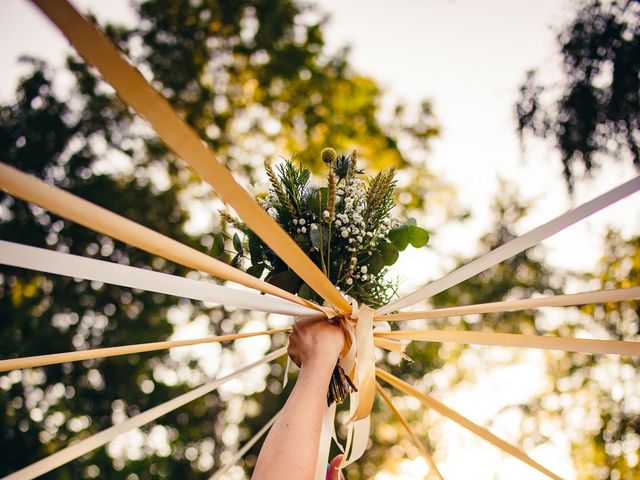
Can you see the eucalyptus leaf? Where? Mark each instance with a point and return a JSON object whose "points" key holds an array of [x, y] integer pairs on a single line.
{"points": [[237, 243], [256, 270], [217, 248], [375, 263], [286, 280], [389, 253], [305, 292], [255, 250], [418, 237], [399, 236]]}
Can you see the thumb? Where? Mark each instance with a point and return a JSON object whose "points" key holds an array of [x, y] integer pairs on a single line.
{"points": [[334, 472]]}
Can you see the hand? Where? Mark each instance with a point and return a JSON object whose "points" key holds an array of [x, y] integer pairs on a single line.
{"points": [[314, 340]]}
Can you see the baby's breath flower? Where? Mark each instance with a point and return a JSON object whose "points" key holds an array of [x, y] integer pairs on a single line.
{"points": [[303, 229], [302, 221], [363, 269], [314, 226], [349, 281], [295, 221]]}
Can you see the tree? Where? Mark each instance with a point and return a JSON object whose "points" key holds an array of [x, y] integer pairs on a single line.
{"points": [[595, 112], [593, 397], [254, 80], [522, 276]]}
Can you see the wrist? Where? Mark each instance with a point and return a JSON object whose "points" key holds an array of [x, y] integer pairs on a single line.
{"points": [[319, 364]]}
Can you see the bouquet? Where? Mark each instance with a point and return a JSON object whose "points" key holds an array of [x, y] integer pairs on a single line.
{"points": [[345, 227]]}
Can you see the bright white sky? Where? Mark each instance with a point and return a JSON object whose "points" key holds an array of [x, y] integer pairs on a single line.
{"points": [[469, 58]]}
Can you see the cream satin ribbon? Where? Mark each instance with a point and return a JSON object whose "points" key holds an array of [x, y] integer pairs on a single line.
{"points": [[49, 261], [245, 448], [83, 447], [615, 347], [583, 298], [134, 90], [414, 438], [101, 220], [79, 355], [464, 422], [515, 246]]}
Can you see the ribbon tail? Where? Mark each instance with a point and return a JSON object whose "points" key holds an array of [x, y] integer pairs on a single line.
{"points": [[325, 442]]}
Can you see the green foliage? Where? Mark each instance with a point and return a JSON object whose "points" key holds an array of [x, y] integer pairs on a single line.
{"points": [[611, 382], [248, 76], [344, 227], [597, 111]]}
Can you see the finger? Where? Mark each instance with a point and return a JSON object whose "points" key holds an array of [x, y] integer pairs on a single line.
{"points": [[334, 469]]}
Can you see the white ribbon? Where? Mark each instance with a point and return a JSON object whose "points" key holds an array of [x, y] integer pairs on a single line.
{"points": [[101, 438], [515, 246], [245, 448], [43, 260]]}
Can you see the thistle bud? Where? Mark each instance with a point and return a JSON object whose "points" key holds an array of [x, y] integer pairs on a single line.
{"points": [[329, 155]]}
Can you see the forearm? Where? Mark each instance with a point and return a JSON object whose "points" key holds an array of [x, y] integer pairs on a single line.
{"points": [[291, 448]]}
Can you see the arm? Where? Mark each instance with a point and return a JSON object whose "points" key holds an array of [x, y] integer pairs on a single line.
{"points": [[291, 448]]}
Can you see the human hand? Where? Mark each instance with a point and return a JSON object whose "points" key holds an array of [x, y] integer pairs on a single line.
{"points": [[314, 340]]}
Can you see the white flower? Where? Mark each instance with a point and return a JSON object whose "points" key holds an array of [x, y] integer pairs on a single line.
{"points": [[363, 269], [314, 226], [349, 281], [304, 229], [325, 213], [302, 221], [359, 238], [364, 276], [295, 221], [298, 230], [272, 212], [338, 223]]}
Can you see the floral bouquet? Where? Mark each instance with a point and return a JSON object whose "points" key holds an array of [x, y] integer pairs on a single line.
{"points": [[345, 227]]}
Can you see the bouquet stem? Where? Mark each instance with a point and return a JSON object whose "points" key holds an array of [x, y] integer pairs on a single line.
{"points": [[340, 386]]}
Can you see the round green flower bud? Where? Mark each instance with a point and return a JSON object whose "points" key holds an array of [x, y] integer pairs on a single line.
{"points": [[329, 155]]}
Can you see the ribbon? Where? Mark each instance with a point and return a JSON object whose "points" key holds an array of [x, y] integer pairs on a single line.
{"points": [[43, 260], [76, 356], [135, 91], [584, 345], [414, 438], [464, 422], [99, 439], [98, 219], [515, 246], [583, 298], [245, 448]]}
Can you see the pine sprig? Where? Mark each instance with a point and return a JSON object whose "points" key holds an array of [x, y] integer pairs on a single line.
{"points": [[276, 187]]}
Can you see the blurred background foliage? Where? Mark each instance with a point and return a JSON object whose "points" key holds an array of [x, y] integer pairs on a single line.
{"points": [[254, 79], [592, 113]]}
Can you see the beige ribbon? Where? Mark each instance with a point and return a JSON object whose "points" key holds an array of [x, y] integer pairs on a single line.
{"points": [[245, 448], [101, 220], [584, 345], [515, 246], [414, 438], [135, 91], [99, 439], [464, 422], [55, 358], [583, 298]]}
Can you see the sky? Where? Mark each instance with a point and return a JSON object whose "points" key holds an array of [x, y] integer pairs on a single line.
{"points": [[468, 58]]}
